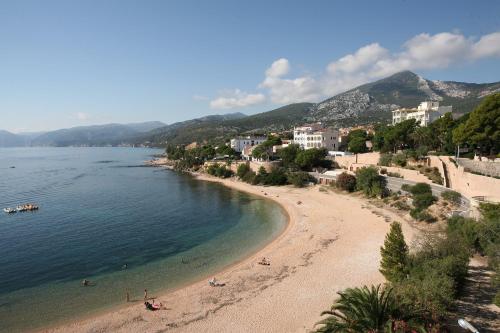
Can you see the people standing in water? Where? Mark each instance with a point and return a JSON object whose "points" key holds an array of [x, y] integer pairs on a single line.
{"points": [[128, 297], [145, 294], [85, 283]]}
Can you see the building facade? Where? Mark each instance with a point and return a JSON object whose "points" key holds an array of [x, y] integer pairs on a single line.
{"points": [[238, 144], [316, 136], [424, 114]]}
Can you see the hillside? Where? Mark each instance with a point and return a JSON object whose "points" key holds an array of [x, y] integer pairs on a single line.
{"points": [[368, 103], [8, 139], [99, 135], [374, 101], [223, 127]]}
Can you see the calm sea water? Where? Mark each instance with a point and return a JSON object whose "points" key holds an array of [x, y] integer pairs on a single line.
{"points": [[99, 210]]}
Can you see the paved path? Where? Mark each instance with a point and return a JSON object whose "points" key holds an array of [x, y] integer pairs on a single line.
{"points": [[394, 184]]}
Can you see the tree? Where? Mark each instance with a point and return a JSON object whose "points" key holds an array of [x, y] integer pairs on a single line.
{"points": [[307, 159], [357, 141], [288, 155], [242, 170], [299, 179], [364, 309], [482, 128], [346, 182], [370, 182], [394, 263]]}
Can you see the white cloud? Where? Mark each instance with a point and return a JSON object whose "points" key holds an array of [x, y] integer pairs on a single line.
{"points": [[368, 63], [278, 68], [82, 116], [487, 46], [236, 99]]}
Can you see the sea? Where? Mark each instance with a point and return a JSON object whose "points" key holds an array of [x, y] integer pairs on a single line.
{"points": [[107, 218]]}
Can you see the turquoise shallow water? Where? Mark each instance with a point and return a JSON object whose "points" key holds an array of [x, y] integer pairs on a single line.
{"points": [[100, 209]]}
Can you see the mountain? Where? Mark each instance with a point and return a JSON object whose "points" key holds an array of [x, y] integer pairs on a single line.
{"points": [[8, 139], [223, 127], [146, 126], [98, 135], [368, 103], [374, 101]]}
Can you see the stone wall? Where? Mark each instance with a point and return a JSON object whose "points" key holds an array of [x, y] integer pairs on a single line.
{"points": [[254, 165], [346, 162], [486, 168], [469, 184]]}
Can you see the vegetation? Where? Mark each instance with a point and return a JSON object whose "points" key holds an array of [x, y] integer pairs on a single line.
{"points": [[385, 159], [264, 150], [482, 128], [311, 158], [219, 171], [346, 182], [422, 198], [299, 178], [373, 309], [356, 141], [452, 197], [370, 182], [399, 160], [394, 264]]}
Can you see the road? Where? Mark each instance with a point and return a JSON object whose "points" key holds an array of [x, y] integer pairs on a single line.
{"points": [[394, 184]]}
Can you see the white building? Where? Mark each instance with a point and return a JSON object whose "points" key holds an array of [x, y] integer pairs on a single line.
{"points": [[316, 136], [425, 114], [238, 144]]}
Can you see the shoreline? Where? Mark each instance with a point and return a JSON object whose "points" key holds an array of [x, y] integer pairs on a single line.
{"points": [[202, 279], [118, 319]]}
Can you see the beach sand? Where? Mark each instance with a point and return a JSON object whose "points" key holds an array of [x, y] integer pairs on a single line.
{"points": [[331, 243]]}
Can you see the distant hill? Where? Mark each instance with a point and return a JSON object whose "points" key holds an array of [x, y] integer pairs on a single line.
{"points": [[146, 126], [223, 127], [99, 135], [368, 103], [8, 139]]}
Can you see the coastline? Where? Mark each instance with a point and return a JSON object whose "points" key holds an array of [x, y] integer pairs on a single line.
{"points": [[196, 306]]}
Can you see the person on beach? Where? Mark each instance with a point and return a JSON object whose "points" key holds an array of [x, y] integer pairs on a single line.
{"points": [[145, 294], [85, 283]]}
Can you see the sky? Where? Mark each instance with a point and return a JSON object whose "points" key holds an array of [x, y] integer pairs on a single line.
{"points": [[73, 63]]}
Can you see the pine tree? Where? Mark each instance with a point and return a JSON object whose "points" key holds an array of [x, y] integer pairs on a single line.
{"points": [[394, 254]]}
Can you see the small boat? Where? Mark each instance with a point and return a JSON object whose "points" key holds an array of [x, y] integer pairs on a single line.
{"points": [[26, 207], [9, 210]]}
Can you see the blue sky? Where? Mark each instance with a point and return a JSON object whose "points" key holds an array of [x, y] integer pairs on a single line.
{"points": [[70, 63]]}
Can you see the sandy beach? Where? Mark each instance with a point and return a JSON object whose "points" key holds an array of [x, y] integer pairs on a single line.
{"points": [[332, 242]]}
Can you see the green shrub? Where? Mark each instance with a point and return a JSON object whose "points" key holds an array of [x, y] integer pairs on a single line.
{"points": [[466, 229], [401, 205], [423, 200], [420, 188], [385, 160], [370, 182], [299, 179], [399, 160], [422, 215], [406, 188], [276, 177], [249, 177], [394, 174], [242, 170], [346, 182], [452, 196]]}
